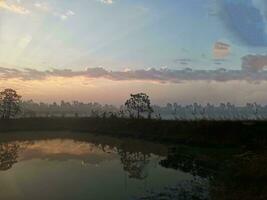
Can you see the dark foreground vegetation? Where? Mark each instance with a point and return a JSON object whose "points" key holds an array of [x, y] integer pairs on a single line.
{"points": [[249, 133]]}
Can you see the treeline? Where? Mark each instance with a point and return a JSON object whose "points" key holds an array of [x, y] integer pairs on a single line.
{"points": [[66, 109], [137, 106], [11, 106], [223, 111]]}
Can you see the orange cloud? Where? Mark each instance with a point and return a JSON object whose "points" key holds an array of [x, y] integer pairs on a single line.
{"points": [[221, 50], [13, 8]]}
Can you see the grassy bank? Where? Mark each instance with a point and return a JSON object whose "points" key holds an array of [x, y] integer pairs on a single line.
{"points": [[189, 132]]}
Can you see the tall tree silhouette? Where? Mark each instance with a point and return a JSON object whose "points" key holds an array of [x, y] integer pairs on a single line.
{"points": [[139, 103], [9, 103]]}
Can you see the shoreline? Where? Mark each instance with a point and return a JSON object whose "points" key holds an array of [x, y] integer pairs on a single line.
{"points": [[165, 131]]}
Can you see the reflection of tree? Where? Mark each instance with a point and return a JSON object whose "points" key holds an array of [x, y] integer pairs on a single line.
{"points": [[196, 189], [135, 163], [8, 155], [195, 165], [241, 176], [244, 177]]}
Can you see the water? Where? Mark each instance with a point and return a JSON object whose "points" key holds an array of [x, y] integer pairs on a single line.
{"points": [[82, 166]]}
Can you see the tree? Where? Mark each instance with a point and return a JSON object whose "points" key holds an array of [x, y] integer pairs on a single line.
{"points": [[139, 103], [9, 103]]}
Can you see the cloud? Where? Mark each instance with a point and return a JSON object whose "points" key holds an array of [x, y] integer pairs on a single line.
{"points": [[254, 63], [262, 6], [163, 75], [244, 20], [15, 8], [107, 1], [219, 61], [70, 13], [45, 7], [221, 50], [42, 6], [64, 15], [183, 61]]}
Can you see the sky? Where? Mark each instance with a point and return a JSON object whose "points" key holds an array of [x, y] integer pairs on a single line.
{"points": [[102, 50]]}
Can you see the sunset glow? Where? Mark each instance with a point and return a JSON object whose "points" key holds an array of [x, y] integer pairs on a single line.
{"points": [[52, 50]]}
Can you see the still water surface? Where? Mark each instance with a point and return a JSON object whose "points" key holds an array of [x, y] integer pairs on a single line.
{"points": [[82, 166]]}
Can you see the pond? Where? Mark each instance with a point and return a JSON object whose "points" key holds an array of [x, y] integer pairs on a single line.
{"points": [[83, 166]]}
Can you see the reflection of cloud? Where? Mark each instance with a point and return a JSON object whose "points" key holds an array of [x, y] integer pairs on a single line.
{"points": [[16, 8], [65, 149], [254, 63], [221, 50]]}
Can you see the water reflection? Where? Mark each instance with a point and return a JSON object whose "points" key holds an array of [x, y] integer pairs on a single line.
{"points": [[124, 167], [13, 152], [135, 163], [227, 174], [8, 155], [198, 165]]}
